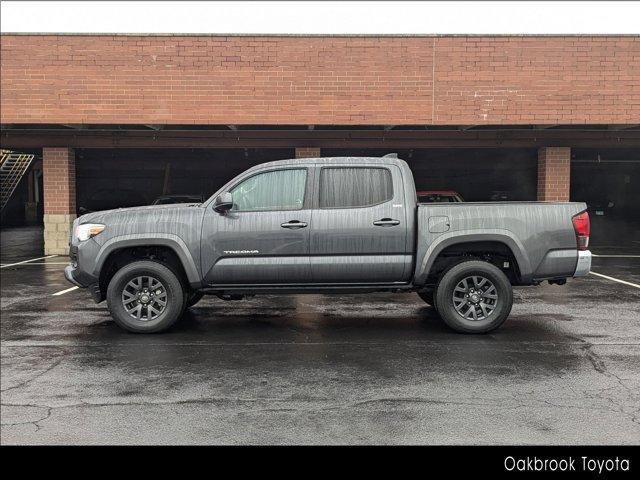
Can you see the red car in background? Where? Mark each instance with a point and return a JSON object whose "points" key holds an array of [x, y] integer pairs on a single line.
{"points": [[439, 196]]}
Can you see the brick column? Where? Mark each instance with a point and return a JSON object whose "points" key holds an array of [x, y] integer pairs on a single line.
{"points": [[554, 173], [59, 179], [307, 152]]}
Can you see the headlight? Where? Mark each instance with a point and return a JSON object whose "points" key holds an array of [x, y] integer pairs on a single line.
{"points": [[88, 230]]}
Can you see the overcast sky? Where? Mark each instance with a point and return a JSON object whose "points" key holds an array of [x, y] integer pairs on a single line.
{"points": [[322, 17]]}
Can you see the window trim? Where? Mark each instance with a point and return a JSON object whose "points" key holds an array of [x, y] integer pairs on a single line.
{"points": [[337, 167], [269, 170]]}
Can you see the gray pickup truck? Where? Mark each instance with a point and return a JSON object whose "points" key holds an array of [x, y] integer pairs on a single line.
{"points": [[325, 225]]}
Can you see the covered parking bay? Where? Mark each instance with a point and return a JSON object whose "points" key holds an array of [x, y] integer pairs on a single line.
{"points": [[94, 168]]}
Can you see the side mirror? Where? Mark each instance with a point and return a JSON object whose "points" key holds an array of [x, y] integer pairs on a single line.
{"points": [[223, 202]]}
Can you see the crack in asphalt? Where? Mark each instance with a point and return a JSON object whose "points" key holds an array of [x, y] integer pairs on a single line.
{"points": [[35, 423], [35, 377], [587, 348], [494, 402], [426, 401], [600, 367]]}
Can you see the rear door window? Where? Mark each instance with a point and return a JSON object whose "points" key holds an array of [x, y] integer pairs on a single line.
{"points": [[354, 187]]}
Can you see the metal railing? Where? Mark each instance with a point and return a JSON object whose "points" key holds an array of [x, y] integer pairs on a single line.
{"points": [[13, 166]]}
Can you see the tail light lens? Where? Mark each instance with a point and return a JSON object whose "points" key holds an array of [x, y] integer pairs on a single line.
{"points": [[582, 228]]}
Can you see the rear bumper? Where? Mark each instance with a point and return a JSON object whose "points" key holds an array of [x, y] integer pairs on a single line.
{"points": [[584, 263]]}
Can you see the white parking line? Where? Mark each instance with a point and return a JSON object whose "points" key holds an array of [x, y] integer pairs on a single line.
{"points": [[62, 292], [615, 256], [41, 263], [615, 280], [27, 261]]}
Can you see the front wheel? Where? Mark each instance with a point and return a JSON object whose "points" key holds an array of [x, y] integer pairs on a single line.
{"points": [[474, 297], [145, 297]]}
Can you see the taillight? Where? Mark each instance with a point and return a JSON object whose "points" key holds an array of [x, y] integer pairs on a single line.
{"points": [[582, 228]]}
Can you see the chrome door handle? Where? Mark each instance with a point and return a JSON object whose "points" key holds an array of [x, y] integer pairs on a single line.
{"points": [[293, 224], [386, 222]]}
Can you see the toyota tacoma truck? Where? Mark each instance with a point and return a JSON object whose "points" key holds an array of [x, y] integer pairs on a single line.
{"points": [[325, 225]]}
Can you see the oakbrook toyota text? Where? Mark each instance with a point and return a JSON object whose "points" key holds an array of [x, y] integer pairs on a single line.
{"points": [[569, 464], [326, 225]]}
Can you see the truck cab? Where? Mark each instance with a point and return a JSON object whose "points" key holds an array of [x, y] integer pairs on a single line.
{"points": [[312, 223]]}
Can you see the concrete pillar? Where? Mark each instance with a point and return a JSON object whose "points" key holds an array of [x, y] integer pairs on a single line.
{"points": [[307, 152], [59, 179], [554, 173]]}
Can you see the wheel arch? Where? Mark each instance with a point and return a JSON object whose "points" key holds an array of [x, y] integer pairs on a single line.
{"points": [[171, 243], [473, 242]]}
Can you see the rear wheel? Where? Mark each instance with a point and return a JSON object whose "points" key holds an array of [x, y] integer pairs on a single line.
{"points": [[145, 297], [474, 297]]}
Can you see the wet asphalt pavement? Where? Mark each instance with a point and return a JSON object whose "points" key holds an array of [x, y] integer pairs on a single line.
{"points": [[307, 369]]}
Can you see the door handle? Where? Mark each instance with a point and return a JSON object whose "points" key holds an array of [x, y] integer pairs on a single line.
{"points": [[386, 222], [294, 224]]}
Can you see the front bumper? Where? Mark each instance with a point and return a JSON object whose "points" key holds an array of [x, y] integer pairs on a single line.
{"points": [[78, 276], [82, 256], [69, 272], [584, 263], [80, 279]]}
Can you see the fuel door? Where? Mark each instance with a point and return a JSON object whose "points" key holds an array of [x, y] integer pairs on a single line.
{"points": [[439, 224]]}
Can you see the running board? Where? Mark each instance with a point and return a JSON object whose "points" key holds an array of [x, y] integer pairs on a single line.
{"points": [[306, 288]]}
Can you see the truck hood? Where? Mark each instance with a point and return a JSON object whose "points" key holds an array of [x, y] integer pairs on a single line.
{"points": [[146, 210]]}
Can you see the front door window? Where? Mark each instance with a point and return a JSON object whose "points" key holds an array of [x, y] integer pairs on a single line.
{"points": [[269, 191]]}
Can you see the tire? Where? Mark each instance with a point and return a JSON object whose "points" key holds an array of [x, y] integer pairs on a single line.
{"points": [[194, 298], [135, 295], [426, 296], [490, 312]]}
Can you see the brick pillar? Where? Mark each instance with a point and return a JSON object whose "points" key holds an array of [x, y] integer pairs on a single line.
{"points": [[307, 152], [554, 173], [59, 179]]}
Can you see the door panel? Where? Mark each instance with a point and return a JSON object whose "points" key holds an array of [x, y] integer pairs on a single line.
{"points": [[359, 268], [253, 247], [264, 238], [359, 244]]}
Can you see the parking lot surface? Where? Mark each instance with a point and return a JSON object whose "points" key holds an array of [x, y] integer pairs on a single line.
{"points": [[308, 369]]}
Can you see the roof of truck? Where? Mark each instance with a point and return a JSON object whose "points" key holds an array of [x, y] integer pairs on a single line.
{"points": [[333, 160], [437, 192]]}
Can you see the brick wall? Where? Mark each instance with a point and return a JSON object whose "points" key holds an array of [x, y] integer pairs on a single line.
{"points": [[554, 173], [59, 178], [320, 80]]}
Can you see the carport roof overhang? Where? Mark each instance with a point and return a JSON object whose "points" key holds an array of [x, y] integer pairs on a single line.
{"points": [[327, 136]]}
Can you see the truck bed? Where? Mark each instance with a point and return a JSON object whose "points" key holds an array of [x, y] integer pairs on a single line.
{"points": [[539, 234]]}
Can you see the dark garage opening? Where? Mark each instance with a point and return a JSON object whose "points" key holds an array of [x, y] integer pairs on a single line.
{"points": [[477, 174], [608, 180], [112, 178], [25, 205]]}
